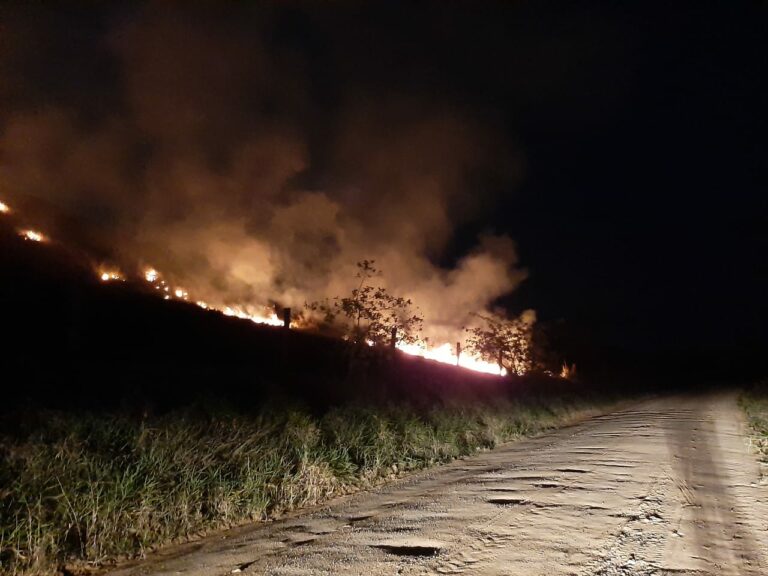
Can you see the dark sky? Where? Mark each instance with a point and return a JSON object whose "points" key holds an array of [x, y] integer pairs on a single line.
{"points": [[642, 215], [640, 210], [645, 194]]}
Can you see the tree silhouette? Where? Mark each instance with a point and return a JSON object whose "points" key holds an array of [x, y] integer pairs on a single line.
{"points": [[370, 314], [503, 341]]}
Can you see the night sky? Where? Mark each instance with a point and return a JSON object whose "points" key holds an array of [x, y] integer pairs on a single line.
{"points": [[629, 159]]}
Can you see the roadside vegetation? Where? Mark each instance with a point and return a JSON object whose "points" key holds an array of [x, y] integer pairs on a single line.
{"points": [[754, 401], [84, 490]]}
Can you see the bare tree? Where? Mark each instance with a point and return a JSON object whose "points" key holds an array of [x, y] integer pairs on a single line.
{"points": [[504, 341], [370, 314]]}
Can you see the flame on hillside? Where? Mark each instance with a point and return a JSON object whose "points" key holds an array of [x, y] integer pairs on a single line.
{"points": [[152, 276], [191, 167], [107, 275], [237, 312], [444, 353], [32, 235]]}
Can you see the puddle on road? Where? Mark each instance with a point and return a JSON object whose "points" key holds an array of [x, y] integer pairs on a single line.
{"points": [[508, 501], [414, 549]]}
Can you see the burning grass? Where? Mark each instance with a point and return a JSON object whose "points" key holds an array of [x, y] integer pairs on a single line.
{"points": [[85, 490], [754, 401]]}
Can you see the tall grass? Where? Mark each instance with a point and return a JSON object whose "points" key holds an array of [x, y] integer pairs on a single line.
{"points": [[754, 401], [86, 490]]}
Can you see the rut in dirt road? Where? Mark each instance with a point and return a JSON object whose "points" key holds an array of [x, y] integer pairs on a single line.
{"points": [[666, 487]]}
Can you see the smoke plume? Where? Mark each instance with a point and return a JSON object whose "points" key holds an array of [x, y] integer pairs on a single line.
{"points": [[206, 144]]}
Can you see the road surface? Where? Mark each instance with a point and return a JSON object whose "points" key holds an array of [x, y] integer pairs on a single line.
{"points": [[668, 486]]}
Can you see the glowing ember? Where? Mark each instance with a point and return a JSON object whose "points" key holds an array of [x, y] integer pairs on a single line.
{"points": [[32, 236], [151, 275], [447, 355], [110, 276], [4, 209], [179, 293], [202, 304]]}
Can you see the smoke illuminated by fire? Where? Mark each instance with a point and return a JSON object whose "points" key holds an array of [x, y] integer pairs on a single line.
{"points": [[211, 160], [445, 353], [152, 276]]}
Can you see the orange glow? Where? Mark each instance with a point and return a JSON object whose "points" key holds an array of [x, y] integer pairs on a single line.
{"points": [[32, 235], [447, 355], [237, 312], [444, 353], [151, 275], [110, 276]]}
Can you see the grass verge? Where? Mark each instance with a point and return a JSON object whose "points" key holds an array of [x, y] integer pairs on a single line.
{"points": [[754, 401], [81, 491]]}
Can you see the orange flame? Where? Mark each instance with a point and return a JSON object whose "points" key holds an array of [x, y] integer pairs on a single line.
{"points": [[4, 208], [444, 353], [110, 275], [447, 355], [32, 235], [151, 275], [238, 312]]}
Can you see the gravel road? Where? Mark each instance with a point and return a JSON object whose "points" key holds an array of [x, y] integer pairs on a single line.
{"points": [[668, 486]]}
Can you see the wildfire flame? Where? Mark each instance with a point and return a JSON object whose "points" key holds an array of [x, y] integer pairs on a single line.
{"points": [[32, 235], [151, 275], [271, 319], [110, 276], [4, 209], [446, 354]]}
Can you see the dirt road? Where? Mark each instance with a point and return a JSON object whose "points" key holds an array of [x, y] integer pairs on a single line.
{"points": [[666, 487]]}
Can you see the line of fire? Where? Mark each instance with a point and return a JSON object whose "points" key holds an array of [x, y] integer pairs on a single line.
{"points": [[504, 347]]}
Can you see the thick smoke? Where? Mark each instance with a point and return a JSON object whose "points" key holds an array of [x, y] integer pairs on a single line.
{"points": [[210, 155]]}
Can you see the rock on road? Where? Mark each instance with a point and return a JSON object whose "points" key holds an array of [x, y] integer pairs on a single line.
{"points": [[668, 486]]}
